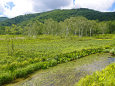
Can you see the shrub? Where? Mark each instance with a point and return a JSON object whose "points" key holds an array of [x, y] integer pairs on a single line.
{"points": [[5, 78], [112, 51], [19, 53], [106, 51]]}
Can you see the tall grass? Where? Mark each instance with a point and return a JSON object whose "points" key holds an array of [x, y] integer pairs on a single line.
{"points": [[31, 54]]}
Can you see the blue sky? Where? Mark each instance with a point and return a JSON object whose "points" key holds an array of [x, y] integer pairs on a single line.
{"points": [[112, 8], [13, 8], [74, 2], [9, 5], [1, 13]]}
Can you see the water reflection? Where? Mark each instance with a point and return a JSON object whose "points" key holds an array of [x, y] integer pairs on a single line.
{"points": [[111, 60]]}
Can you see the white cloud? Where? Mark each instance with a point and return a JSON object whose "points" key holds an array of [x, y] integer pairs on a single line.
{"points": [[21, 7], [32, 6], [45, 5], [1, 15], [101, 5]]}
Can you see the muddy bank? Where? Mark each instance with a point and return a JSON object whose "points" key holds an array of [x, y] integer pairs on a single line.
{"points": [[67, 74]]}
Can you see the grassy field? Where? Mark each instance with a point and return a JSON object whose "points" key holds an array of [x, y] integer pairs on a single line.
{"points": [[22, 55]]}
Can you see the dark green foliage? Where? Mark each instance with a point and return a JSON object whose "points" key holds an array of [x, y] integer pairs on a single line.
{"points": [[111, 26], [6, 78]]}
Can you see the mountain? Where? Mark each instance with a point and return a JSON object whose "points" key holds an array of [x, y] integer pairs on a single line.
{"points": [[3, 18], [61, 15]]}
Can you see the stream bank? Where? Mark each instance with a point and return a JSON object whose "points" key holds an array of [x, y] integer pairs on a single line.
{"points": [[67, 74]]}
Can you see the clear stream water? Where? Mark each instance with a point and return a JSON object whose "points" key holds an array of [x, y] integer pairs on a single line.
{"points": [[67, 74]]}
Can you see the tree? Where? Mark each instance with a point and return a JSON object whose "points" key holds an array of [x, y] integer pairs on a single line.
{"points": [[13, 29], [92, 27], [50, 27], [7, 29], [33, 28], [111, 25], [103, 27], [19, 30]]}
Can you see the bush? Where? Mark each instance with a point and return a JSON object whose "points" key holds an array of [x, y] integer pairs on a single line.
{"points": [[6, 78], [106, 51], [19, 53], [112, 51]]}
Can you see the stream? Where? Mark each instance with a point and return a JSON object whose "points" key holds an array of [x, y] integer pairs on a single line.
{"points": [[67, 74]]}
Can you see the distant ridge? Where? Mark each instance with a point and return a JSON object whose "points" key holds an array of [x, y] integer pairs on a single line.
{"points": [[61, 15], [3, 18]]}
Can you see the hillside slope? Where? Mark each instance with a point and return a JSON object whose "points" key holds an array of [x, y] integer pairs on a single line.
{"points": [[61, 15]]}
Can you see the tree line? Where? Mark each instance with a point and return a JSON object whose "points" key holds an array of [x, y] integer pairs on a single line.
{"points": [[80, 26]]}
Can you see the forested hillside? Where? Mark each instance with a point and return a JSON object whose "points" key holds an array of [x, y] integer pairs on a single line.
{"points": [[81, 22], [3, 18], [61, 15]]}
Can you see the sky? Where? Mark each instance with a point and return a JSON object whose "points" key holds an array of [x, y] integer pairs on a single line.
{"points": [[13, 8]]}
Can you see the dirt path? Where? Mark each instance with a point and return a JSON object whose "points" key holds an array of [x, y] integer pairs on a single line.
{"points": [[67, 74]]}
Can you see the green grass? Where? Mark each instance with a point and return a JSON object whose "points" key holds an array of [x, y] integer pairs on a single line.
{"points": [[105, 36], [105, 77], [22, 55]]}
